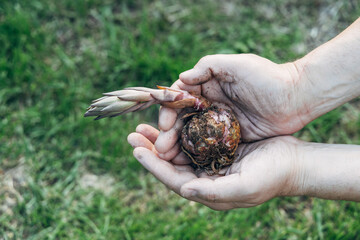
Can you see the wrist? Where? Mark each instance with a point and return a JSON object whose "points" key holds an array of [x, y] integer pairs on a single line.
{"points": [[297, 177], [330, 171], [329, 76]]}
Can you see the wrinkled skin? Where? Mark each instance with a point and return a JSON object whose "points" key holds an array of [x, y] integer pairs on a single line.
{"points": [[269, 100], [264, 98], [266, 170], [263, 95]]}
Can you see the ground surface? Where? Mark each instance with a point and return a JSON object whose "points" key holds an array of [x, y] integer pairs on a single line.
{"points": [[66, 177]]}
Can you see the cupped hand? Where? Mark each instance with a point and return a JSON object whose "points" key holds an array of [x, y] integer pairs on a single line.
{"points": [[265, 96], [267, 169]]}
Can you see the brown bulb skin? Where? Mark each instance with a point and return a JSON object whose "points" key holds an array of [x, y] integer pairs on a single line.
{"points": [[210, 139]]}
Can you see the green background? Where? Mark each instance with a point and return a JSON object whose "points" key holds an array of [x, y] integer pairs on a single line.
{"points": [[66, 177]]}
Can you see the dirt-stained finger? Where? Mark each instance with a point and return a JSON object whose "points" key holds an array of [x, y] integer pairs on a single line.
{"points": [[138, 140], [167, 118], [167, 139], [148, 131]]}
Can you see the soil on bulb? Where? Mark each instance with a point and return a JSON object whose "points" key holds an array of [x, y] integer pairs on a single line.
{"points": [[210, 138]]}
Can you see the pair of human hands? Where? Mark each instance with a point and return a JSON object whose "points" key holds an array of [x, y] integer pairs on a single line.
{"points": [[270, 101], [265, 98]]}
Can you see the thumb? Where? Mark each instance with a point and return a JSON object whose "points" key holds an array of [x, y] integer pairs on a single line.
{"points": [[207, 68], [223, 189], [196, 76]]}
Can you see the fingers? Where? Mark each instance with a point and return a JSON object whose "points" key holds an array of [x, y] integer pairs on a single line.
{"points": [[145, 136], [214, 206], [167, 118], [191, 194], [203, 70], [196, 75], [138, 140], [163, 170], [225, 189], [172, 176], [220, 67], [169, 124], [190, 88], [171, 153], [148, 131], [167, 139]]}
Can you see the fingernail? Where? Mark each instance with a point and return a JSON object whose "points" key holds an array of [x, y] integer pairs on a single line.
{"points": [[161, 155]]}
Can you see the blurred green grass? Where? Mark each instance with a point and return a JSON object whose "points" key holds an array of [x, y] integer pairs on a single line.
{"points": [[56, 56]]}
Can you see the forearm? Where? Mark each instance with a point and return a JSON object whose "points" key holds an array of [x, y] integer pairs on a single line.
{"points": [[329, 76], [330, 171]]}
